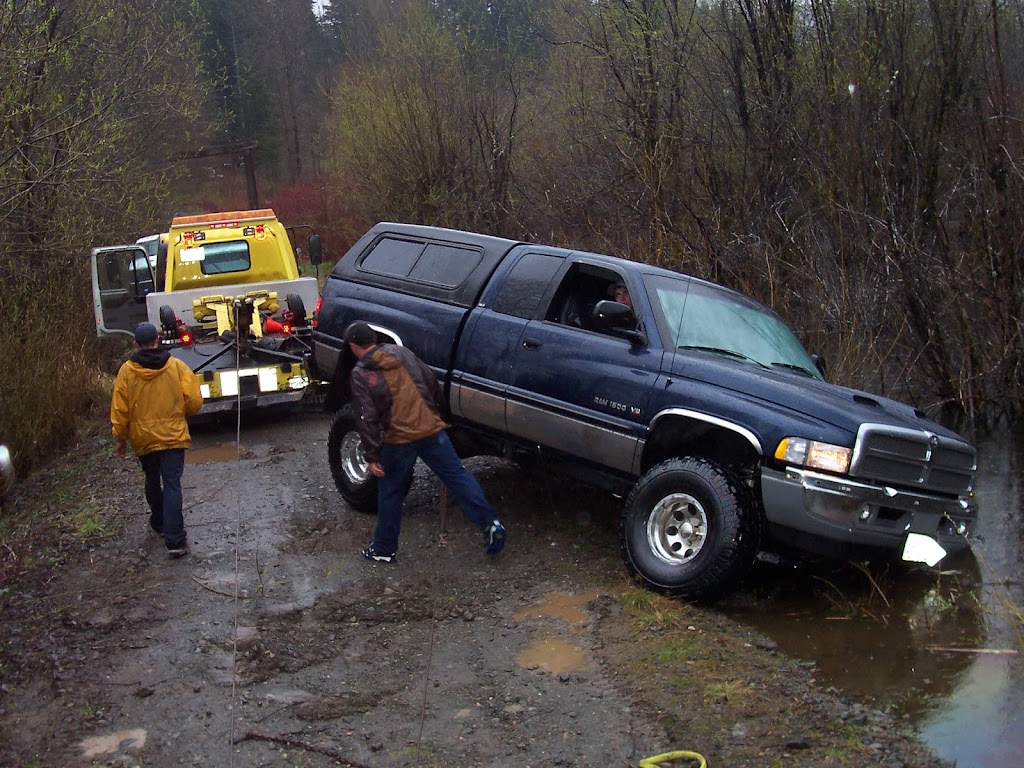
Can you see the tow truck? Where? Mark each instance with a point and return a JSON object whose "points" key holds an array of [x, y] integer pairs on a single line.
{"points": [[228, 300]]}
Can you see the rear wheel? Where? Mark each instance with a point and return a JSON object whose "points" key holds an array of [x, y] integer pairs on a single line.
{"points": [[349, 467], [690, 528]]}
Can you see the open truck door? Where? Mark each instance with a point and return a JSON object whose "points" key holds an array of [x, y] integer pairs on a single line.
{"points": [[121, 279]]}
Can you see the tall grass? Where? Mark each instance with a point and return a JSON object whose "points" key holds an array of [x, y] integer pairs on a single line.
{"points": [[50, 356]]}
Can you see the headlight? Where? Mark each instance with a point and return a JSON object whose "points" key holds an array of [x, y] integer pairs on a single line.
{"points": [[811, 453]]}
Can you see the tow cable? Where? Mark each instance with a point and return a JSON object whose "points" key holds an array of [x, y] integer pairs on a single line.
{"points": [[238, 544]]}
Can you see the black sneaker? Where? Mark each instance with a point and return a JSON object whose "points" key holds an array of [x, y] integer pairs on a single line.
{"points": [[371, 554], [176, 552], [494, 538]]}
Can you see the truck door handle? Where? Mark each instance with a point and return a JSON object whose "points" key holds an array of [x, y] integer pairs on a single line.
{"points": [[532, 343]]}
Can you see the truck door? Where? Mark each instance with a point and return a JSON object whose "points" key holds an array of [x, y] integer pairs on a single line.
{"points": [[121, 279], [483, 367], [576, 388]]}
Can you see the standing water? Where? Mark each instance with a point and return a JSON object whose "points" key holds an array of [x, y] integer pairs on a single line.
{"points": [[943, 648]]}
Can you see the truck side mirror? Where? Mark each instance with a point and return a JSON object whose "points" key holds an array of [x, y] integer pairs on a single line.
{"points": [[616, 318], [315, 253], [611, 314], [819, 363]]}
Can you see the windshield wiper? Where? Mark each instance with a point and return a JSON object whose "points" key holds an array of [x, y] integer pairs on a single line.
{"points": [[795, 368], [722, 351]]}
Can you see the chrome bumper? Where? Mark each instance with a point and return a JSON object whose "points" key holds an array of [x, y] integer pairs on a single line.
{"points": [[846, 516]]}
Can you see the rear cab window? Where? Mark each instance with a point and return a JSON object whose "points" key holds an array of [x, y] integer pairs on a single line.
{"points": [[440, 264], [218, 258]]}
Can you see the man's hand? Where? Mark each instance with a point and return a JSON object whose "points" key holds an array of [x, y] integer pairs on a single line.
{"points": [[376, 469], [122, 448]]}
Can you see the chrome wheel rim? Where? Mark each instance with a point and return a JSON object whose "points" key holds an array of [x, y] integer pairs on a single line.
{"points": [[677, 528], [353, 462]]}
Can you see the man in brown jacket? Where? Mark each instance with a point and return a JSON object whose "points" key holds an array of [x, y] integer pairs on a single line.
{"points": [[397, 402], [153, 394]]}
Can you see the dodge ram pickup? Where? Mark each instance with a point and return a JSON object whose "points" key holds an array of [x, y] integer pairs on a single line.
{"points": [[694, 402]]}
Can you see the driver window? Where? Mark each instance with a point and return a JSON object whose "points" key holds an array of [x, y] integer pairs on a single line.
{"points": [[110, 275], [581, 289], [125, 271]]}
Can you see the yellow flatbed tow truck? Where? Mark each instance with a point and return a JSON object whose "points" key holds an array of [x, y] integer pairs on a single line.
{"points": [[228, 299]]}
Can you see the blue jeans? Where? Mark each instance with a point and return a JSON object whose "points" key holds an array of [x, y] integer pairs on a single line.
{"points": [[163, 492], [438, 454]]}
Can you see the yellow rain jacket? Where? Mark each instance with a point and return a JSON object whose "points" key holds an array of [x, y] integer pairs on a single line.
{"points": [[153, 393]]}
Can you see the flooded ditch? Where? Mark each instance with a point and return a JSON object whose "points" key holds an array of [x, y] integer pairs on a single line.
{"points": [[944, 650]]}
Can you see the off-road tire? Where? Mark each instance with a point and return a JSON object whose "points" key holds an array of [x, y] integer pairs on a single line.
{"points": [[690, 528], [349, 467], [297, 307]]}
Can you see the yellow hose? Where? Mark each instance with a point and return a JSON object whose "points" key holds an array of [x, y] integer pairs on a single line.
{"points": [[657, 760]]}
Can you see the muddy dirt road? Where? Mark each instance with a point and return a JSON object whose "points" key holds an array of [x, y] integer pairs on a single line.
{"points": [[275, 644]]}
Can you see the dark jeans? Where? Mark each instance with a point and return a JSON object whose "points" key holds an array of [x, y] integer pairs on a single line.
{"points": [[163, 492], [438, 454]]}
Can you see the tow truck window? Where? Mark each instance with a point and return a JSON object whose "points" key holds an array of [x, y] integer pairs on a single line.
{"points": [[121, 270], [231, 256]]}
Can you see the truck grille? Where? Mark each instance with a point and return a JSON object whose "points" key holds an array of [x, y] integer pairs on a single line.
{"points": [[914, 458]]}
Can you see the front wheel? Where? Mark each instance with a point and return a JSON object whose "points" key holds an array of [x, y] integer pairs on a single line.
{"points": [[349, 467], [690, 528]]}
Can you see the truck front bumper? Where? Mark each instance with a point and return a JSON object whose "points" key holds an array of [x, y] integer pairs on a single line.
{"points": [[840, 517]]}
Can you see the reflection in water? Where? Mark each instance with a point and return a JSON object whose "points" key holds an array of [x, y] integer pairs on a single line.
{"points": [[978, 725], [552, 654], [559, 606], [882, 636], [214, 453], [873, 635], [982, 722]]}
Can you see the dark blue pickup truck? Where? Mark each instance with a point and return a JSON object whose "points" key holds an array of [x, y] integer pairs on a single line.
{"points": [[695, 402]]}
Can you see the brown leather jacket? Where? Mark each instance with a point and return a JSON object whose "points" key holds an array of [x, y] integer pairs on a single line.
{"points": [[396, 399]]}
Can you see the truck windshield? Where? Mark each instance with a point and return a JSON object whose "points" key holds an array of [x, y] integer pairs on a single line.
{"points": [[701, 317]]}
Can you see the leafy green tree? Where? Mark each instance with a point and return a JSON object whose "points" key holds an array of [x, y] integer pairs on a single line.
{"points": [[270, 60], [96, 103], [426, 129], [292, 54]]}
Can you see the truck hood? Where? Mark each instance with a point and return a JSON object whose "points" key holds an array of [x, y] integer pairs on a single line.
{"points": [[804, 397]]}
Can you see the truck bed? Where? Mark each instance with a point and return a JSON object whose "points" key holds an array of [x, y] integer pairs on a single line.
{"points": [[181, 301]]}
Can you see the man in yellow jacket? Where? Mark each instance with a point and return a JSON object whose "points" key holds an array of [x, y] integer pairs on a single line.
{"points": [[153, 395]]}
